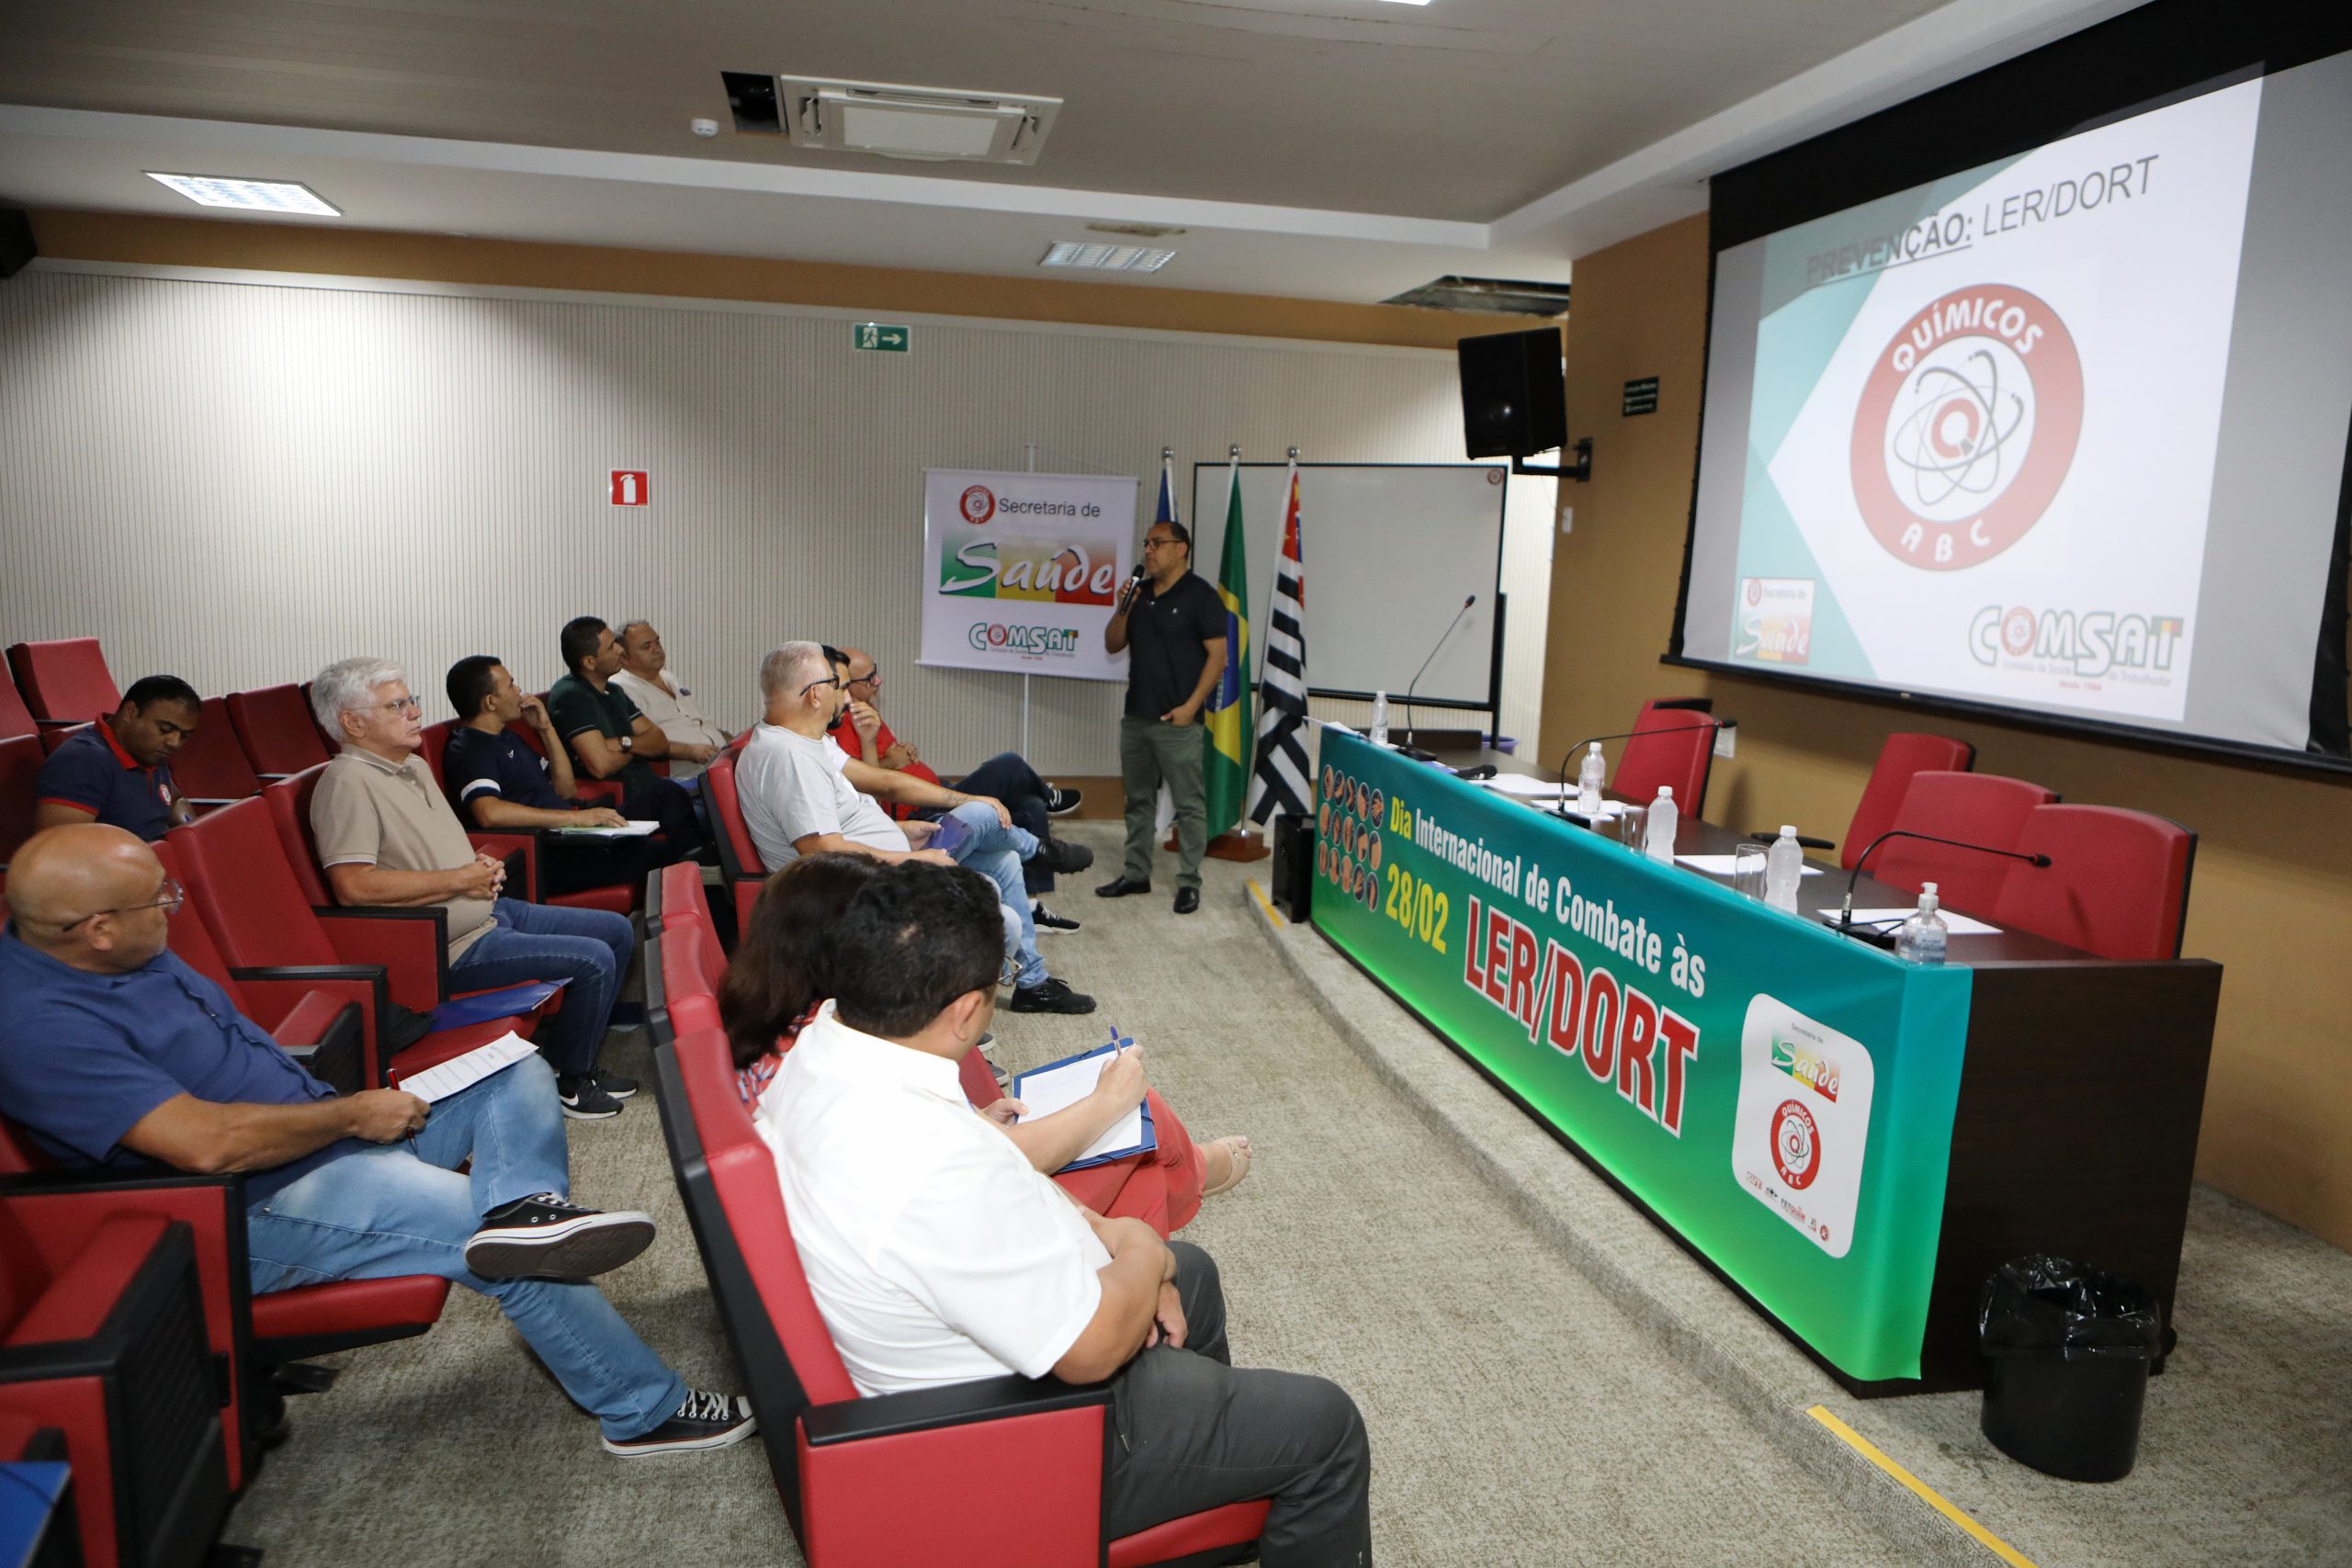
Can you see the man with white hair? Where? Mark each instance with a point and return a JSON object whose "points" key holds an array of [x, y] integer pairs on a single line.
{"points": [[802, 793], [386, 835]]}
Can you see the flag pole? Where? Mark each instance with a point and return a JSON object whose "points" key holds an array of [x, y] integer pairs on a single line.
{"points": [[1242, 841]]}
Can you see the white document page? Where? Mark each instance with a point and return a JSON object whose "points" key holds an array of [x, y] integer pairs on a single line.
{"points": [[1050, 1089], [636, 828], [445, 1079], [1721, 866], [1527, 788], [1954, 924]]}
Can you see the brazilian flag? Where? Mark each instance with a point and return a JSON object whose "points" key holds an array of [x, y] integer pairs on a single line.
{"points": [[1228, 732]]}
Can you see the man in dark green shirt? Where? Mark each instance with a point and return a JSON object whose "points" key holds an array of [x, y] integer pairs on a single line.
{"points": [[610, 740]]}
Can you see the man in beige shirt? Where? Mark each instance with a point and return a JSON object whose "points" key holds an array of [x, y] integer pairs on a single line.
{"points": [[386, 835], [661, 696]]}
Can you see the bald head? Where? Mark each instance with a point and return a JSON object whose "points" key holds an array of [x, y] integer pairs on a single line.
{"points": [[74, 893]]}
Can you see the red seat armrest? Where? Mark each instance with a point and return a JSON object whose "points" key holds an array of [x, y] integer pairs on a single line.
{"points": [[277, 992], [82, 1294], [506, 844]]}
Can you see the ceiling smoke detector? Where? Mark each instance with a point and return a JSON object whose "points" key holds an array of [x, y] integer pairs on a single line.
{"points": [[930, 124]]}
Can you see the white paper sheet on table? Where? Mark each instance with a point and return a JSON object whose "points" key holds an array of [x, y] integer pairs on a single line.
{"points": [[1721, 866], [637, 829], [1954, 924], [444, 1078], [1527, 787]]}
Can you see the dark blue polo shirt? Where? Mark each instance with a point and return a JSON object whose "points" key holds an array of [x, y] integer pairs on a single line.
{"points": [[498, 763], [83, 1057], [91, 772]]}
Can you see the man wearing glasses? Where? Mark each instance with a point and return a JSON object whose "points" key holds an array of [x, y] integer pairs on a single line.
{"points": [[386, 835], [1175, 623], [861, 732], [801, 793], [116, 1054]]}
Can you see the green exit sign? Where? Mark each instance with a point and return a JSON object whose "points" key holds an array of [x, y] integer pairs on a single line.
{"points": [[880, 337]]}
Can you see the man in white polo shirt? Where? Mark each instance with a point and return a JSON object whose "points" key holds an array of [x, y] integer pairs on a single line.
{"points": [[938, 1255]]}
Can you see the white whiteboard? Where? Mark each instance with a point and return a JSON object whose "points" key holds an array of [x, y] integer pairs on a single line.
{"points": [[1390, 552]]}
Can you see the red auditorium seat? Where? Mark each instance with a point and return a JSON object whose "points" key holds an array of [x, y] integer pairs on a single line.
{"points": [[211, 767], [1977, 809], [2117, 883], [1904, 755], [738, 858], [689, 966], [1680, 760], [675, 893], [16, 719], [507, 842], [240, 880], [20, 760], [274, 726], [874, 1483], [65, 681], [103, 1336]]}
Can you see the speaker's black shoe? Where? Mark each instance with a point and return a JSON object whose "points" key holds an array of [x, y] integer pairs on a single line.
{"points": [[1122, 887], [1187, 900]]}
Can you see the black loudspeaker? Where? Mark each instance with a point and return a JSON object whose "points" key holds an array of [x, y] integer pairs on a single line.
{"points": [[15, 241], [1293, 866], [1514, 396]]}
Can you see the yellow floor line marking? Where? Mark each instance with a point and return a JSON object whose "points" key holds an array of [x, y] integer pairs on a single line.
{"points": [[1871, 1451], [1265, 903]]}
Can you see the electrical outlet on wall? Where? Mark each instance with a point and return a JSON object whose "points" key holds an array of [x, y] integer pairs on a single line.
{"points": [[1726, 738]]}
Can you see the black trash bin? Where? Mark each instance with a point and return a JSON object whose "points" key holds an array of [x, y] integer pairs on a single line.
{"points": [[2067, 1350]]}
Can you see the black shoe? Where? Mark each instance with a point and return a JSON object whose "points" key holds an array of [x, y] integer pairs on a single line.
{"points": [[1045, 920], [1061, 856], [546, 1237], [583, 1100], [614, 1084], [1050, 994], [703, 1421], [1187, 900], [1060, 802], [1122, 887]]}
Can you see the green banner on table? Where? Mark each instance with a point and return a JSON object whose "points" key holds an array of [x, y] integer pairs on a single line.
{"points": [[1781, 1095]]}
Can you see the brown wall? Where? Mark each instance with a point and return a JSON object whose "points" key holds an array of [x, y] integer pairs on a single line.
{"points": [[2272, 897], [441, 258]]}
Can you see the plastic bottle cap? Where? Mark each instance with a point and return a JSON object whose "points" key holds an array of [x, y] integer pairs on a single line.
{"points": [[1666, 792], [1928, 887], [1787, 831], [1594, 749]]}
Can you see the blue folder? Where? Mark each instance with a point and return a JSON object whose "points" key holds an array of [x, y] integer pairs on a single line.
{"points": [[507, 1001]]}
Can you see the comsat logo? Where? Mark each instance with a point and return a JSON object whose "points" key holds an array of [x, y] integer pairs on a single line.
{"points": [[993, 636], [2089, 643], [1966, 427]]}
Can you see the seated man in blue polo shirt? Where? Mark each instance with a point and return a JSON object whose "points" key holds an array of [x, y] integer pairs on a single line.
{"points": [[115, 1053], [498, 783], [120, 769]]}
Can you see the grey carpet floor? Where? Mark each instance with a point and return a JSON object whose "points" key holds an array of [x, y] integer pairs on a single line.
{"points": [[1517, 1414]]}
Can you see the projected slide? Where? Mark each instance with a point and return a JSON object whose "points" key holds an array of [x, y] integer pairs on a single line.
{"points": [[1980, 438]]}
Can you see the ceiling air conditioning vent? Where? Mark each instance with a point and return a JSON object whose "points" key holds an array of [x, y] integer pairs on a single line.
{"points": [[927, 123], [1450, 293]]}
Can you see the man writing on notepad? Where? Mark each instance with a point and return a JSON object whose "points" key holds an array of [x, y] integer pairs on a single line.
{"points": [[938, 1253], [116, 1054]]}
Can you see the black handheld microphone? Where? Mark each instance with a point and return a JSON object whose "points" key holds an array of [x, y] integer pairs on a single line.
{"points": [[1846, 926], [1560, 808], [1409, 749], [1135, 581]]}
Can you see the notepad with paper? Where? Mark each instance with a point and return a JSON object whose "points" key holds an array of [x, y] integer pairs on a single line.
{"points": [[444, 1078], [639, 828], [1058, 1085]]}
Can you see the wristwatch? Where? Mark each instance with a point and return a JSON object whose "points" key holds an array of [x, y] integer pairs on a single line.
{"points": [[628, 743]]}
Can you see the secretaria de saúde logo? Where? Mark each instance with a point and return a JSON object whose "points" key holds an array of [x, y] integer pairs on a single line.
{"points": [[1966, 427]]}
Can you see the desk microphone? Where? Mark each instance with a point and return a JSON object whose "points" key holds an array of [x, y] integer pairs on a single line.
{"points": [[1409, 749], [1846, 910], [1561, 809]]}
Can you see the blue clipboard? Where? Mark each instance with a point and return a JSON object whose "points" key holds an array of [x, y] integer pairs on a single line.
{"points": [[508, 1001], [1150, 1136]]}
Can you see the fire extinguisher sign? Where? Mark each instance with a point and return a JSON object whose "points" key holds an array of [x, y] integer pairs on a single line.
{"points": [[629, 487]]}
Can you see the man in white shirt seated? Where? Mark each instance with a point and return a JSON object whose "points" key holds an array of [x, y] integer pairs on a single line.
{"points": [[801, 793], [659, 694], [939, 1256]]}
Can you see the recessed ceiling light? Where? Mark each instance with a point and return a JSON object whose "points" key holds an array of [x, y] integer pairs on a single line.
{"points": [[250, 195], [1107, 258]]}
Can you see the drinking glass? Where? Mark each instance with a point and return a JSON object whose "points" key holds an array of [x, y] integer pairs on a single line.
{"points": [[1748, 871], [1632, 824]]}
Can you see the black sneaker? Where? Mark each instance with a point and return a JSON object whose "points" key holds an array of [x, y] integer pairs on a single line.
{"points": [[548, 1237], [1050, 994], [1061, 856], [1045, 920], [702, 1421], [582, 1099], [614, 1084], [1060, 802]]}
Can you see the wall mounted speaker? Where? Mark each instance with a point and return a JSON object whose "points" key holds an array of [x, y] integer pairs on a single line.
{"points": [[1514, 397], [1293, 866]]}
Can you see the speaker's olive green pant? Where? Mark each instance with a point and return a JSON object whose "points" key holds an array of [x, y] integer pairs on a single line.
{"points": [[1153, 752]]}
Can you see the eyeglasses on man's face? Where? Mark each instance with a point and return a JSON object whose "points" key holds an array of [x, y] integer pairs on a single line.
{"points": [[871, 678], [408, 708], [168, 897], [828, 681]]}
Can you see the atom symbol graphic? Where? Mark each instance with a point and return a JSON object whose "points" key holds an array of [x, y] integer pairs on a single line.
{"points": [[1951, 444]]}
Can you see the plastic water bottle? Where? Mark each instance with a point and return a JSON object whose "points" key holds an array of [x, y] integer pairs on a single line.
{"points": [[1380, 718], [1920, 938], [1658, 840], [1783, 870], [1591, 774]]}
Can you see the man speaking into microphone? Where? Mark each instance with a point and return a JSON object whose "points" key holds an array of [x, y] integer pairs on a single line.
{"points": [[1175, 625]]}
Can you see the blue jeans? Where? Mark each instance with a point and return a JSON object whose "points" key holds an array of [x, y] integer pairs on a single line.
{"points": [[541, 942], [996, 852], [1008, 777], [391, 1209]]}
